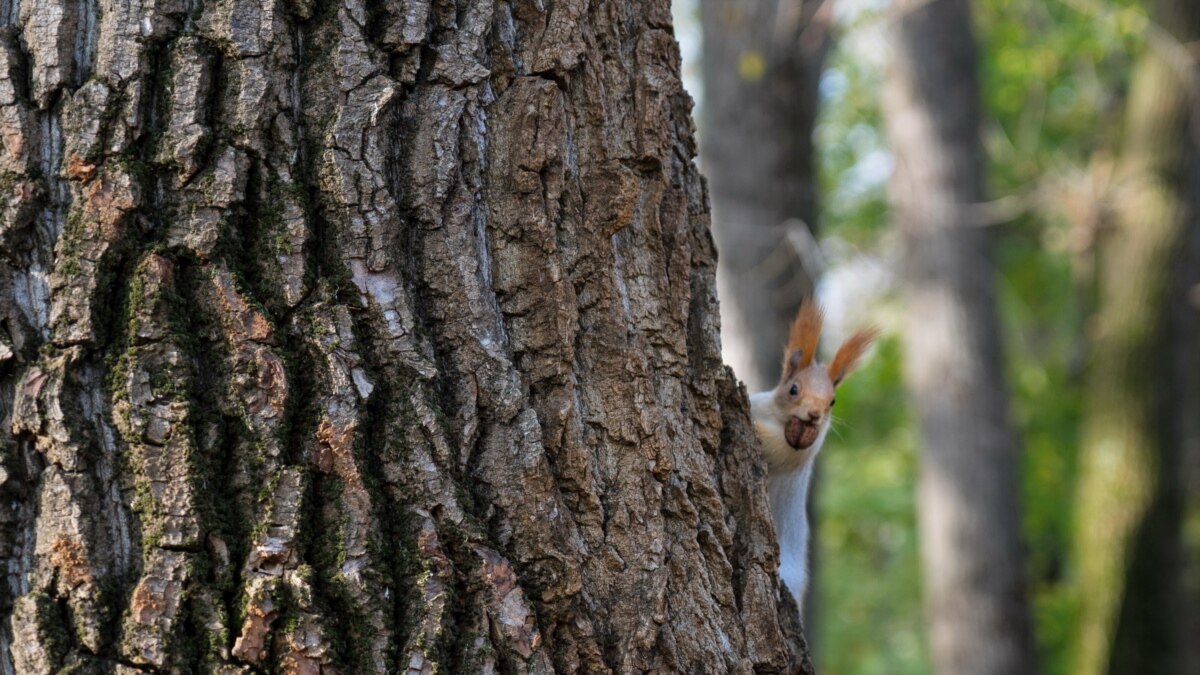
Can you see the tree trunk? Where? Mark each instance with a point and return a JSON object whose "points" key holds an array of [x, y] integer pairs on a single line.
{"points": [[1130, 501], [969, 518], [762, 64], [366, 337]]}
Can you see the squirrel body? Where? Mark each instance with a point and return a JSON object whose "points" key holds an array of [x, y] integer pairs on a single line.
{"points": [[791, 422], [789, 472]]}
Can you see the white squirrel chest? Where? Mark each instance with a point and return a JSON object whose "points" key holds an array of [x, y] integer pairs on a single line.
{"points": [[789, 475]]}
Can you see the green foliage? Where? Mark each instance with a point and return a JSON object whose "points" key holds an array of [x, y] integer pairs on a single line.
{"points": [[1053, 76], [869, 607], [1042, 317]]}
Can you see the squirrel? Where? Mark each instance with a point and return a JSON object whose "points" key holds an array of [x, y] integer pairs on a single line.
{"points": [[791, 422]]}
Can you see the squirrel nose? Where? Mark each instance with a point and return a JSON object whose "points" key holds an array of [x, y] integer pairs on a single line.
{"points": [[814, 416]]}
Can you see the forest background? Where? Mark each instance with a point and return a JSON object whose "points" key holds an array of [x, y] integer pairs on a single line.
{"points": [[1066, 161]]}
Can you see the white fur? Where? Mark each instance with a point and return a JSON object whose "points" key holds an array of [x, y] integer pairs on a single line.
{"points": [[789, 474]]}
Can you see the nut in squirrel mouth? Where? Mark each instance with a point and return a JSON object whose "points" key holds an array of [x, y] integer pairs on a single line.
{"points": [[800, 434]]}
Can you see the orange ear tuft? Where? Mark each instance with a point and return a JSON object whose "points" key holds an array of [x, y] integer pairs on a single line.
{"points": [[849, 353], [803, 337]]}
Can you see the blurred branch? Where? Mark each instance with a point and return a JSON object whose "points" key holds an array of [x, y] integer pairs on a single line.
{"points": [[816, 33]]}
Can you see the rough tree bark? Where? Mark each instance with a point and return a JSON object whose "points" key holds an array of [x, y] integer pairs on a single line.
{"points": [[1130, 499], [366, 337], [762, 64], [968, 512]]}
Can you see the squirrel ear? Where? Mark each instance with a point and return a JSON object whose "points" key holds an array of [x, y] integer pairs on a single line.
{"points": [[803, 337], [850, 352], [791, 363]]}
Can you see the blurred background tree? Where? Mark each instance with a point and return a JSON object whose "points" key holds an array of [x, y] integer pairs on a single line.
{"points": [[974, 575], [1066, 149], [1128, 546], [762, 61]]}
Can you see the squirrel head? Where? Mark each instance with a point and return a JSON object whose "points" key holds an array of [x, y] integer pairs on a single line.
{"points": [[806, 393]]}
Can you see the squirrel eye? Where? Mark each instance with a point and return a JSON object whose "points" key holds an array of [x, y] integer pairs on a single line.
{"points": [[794, 390], [832, 401]]}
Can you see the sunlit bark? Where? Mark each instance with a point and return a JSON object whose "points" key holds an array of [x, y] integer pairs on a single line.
{"points": [[1129, 501]]}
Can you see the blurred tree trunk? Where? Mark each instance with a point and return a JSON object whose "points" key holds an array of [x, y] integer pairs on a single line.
{"points": [[968, 508], [1162, 604], [1187, 351], [366, 337], [1128, 542], [762, 65]]}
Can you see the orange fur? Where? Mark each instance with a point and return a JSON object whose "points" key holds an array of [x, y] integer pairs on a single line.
{"points": [[803, 337], [850, 352]]}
